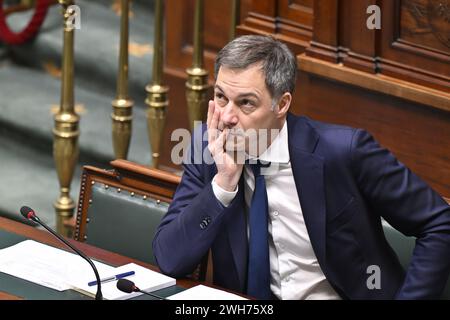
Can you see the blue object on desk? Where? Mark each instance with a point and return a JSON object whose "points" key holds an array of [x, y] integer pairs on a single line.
{"points": [[112, 278]]}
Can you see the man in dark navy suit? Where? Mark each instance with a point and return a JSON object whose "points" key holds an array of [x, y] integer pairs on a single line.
{"points": [[291, 208]]}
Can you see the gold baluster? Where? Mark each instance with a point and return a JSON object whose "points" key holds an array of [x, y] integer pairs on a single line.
{"points": [[235, 10], [122, 106], [157, 94], [197, 83], [65, 144]]}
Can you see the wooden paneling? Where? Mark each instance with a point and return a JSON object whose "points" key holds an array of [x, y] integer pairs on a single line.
{"points": [[325, 41], [287, 20], [297, 13], [413, 42], [359, 49], [394, 82], [425, 23], [378, 82], [180, 21], [410, 48]]}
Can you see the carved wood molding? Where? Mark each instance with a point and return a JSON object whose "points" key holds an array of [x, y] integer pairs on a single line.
{"points": [[285, 20], [411, 73], [411, 46], [376, 82]]}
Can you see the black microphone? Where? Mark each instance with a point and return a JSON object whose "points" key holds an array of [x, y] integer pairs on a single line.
{"points": [[128, 286], [28, 213]]}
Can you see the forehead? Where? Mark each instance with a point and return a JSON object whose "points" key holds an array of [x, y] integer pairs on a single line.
{"points": [[251, 77]]}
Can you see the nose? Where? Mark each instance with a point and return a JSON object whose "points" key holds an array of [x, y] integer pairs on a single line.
{"points": [[229, 116]]}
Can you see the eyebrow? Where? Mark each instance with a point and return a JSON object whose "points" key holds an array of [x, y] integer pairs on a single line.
{"points": [[240, 96]]}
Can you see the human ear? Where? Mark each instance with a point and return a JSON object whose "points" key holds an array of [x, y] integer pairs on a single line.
{"points": [[283, 105]]}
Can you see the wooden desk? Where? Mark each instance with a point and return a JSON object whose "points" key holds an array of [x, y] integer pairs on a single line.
{"points": [[28, 232]]}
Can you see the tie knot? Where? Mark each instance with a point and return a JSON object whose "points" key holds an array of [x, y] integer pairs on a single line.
{"points": [[256, 167]]}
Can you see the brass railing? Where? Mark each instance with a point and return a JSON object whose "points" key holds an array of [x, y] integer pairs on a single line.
{"points": [[197, 82], [66, 130], [157, 94], [122, 106]]}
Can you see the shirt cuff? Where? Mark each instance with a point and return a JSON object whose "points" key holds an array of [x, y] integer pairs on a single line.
{"points": [[225, 197]]}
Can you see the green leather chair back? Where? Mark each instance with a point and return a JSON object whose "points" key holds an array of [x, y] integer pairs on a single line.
{"points": [[403, 247], [119, 210], [123, 222]]}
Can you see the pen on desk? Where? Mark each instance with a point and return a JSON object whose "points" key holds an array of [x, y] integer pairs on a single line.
{"points": [[112, 278]]}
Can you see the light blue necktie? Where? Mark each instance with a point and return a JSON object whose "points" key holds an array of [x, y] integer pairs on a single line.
{"points": [[258, 277]]}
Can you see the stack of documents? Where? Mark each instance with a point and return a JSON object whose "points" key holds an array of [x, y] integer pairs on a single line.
{"points": [[145, 279], [62, 270], [46, 265]]}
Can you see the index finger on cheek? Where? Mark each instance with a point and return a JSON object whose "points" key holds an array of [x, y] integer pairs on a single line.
{"points": [[210, 112], [215, 118]]}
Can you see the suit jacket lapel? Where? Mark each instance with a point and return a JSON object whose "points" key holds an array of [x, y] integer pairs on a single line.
{"points": [[308, 174]]}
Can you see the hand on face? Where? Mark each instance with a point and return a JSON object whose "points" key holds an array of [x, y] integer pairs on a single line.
{"points": [[222, 147]]}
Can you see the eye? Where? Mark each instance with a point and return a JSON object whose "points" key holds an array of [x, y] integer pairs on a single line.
{"points": [[247, 106], [247, 102], [220, 96]]}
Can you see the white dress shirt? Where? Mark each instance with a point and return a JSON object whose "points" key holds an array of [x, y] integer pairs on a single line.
{"points": [[295, 271]]}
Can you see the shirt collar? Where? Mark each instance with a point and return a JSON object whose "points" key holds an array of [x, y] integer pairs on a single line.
{"points": [[278, 151]]}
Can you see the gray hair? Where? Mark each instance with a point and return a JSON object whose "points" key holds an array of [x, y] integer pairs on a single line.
{"points": [[278, 62]]}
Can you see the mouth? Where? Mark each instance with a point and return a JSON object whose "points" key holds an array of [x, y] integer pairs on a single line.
{"points": [[235, 141]]}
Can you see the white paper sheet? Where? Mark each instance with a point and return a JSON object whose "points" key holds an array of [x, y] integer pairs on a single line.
{"points": [[145, 279], [48, 266], [202, 292]]}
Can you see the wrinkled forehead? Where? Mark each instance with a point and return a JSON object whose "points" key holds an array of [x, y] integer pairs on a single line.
{"points": [[240, 81]]}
